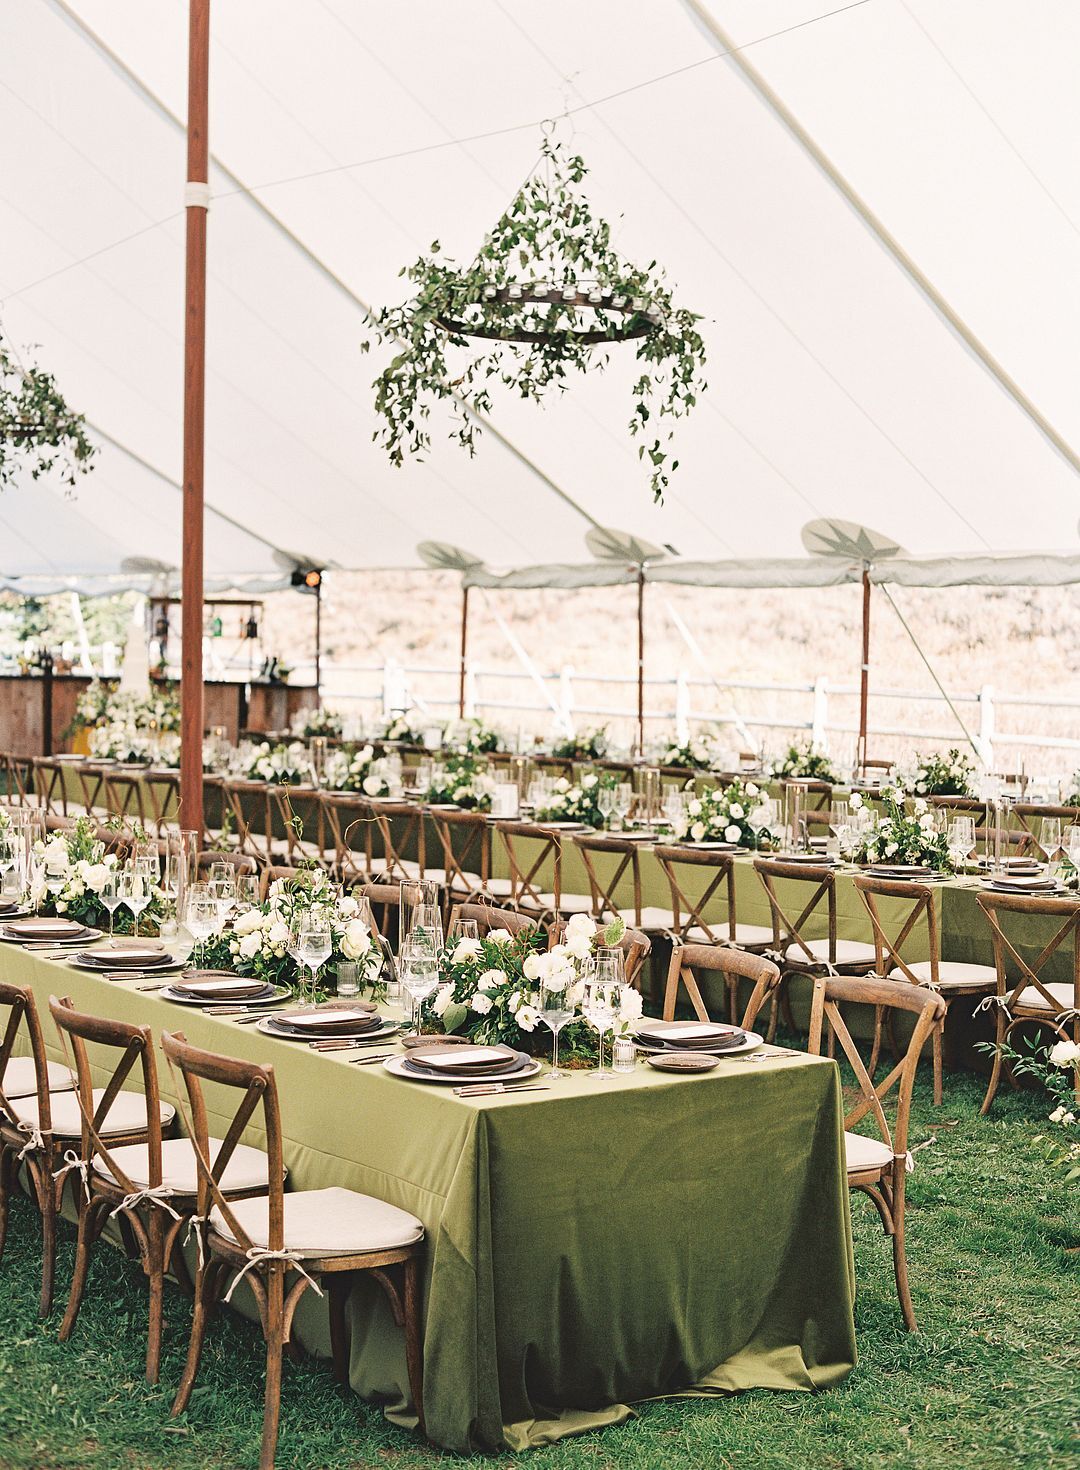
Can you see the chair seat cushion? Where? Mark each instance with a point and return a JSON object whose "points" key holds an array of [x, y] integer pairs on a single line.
{"points": [[569, 903], [1033, 999], [247, 1169], [20, 1079], [651, 918], [866, 1153], [721, 930], [327, 1222], [952, 975], [127, 1114], [848, 952]]}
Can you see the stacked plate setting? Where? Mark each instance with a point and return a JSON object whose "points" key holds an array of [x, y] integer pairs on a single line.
{"points": [[221, 987], [691, 1046], [51, 931], [357, 1021], [442, 1063], [1015, 881], [138, 957]]}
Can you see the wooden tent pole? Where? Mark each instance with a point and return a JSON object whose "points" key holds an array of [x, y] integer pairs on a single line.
{"points": [[641, 660], [464, 648], [196, 200], [318, 643], [864, 672]]}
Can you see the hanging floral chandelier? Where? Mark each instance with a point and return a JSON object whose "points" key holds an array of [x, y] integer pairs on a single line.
{"points": [[545, 296]]}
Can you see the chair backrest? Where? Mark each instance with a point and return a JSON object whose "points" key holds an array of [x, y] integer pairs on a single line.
{"points": [[161, 799], [385, 901], [248, 803], [395, 829], [259, 1088], [611, 862], [124, 796], [789, 932], [1003, 911], [1027, 813], [18, 780], [240, 862], [18, 1001], [347, 818], [717, 959], [686, 869], [830, 992], [136, 1046], [50, 785], [488, 917], [465, 841], [278, 873], [916, 903], [532, 851]]}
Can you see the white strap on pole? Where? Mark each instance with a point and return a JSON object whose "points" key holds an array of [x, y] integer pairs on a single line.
{"points": [[196, 195]]}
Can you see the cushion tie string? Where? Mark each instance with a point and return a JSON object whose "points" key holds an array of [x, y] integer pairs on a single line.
{"points": [[72, 1161], [989, 1001], [257, 1255], [159, 1194], [35, 1142], [195, 1223]]}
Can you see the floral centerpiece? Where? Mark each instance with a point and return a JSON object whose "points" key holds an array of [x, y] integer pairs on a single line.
{"points": [[474, 736], [805, 761], [307, 723], [900, 836], [697, 754], [259, 943], [577, 802], [458, 780], [585, 745], [78, 857], [725, 814], [129, 727], [951, 774], [491, 990], [355, 771], [401, 727], [282, 765]]}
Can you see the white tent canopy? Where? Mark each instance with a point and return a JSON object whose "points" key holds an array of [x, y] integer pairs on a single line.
{"points": [[348, 136]]}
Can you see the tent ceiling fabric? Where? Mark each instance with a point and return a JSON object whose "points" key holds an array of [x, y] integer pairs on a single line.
{"points": [[836, 391]]}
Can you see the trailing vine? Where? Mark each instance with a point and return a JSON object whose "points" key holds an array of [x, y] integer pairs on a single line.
{"points": [[38, 431], [546, 296]]}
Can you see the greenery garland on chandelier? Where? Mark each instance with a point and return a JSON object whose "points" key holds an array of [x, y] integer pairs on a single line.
{"points": [[547, 295], [38, 431]]}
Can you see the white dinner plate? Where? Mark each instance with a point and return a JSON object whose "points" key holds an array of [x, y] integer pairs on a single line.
{"points": [[178, 998], [749, 1043], [381, 1033], [394, 1067]]}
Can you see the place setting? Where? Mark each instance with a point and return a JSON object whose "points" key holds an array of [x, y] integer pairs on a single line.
{"points": [[692, 1046], [46, 933]]}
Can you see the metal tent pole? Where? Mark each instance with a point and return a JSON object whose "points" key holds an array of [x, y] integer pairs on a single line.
{"points": [[197, 202]]}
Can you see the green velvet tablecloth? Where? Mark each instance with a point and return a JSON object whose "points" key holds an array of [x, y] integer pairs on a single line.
{"points": [[587, 1246]]}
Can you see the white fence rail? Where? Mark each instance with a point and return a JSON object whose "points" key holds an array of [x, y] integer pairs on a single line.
{"points": [[819, 709]]}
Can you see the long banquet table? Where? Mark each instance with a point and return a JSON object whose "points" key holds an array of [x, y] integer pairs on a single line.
{"points": [[587, 1246]]}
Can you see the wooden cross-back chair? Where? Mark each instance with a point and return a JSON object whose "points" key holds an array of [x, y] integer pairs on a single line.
{"points": [[1028, 814], [532, 851], [124, 792], [250, 809], [733, 966], [28, 1085], [879, 1166], [161, 798], [283, 1243], [487, 916], [18, 780], [951, 979], [119, 1166], [464, 840], [689, 913], [388, 830], [1024, 995], [613, 865], [50, 784], [93, 778]]}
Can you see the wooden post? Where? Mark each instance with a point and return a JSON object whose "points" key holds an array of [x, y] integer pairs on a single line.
{"points": [[318, 642], [641, 660], [196, 200], [464, 647], [864, 672]]}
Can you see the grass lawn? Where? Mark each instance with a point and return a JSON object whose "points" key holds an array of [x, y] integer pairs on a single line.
{"points": [[991, 1380]]}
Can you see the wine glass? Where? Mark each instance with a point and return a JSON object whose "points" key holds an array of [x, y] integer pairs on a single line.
{"points": [[247, 892], [427, 921], [314, 943], [110, 897], [599, 1005], [1050, 837], [605, 801], [555, 1011], [961, 840], [624, 801], [462, 929], [200, 916], [134, 894], [223, 891], [8, 853], [419, 969]]}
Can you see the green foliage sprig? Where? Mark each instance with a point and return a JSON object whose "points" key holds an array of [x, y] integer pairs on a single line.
{"points": [[549, 238], [38, 431]]}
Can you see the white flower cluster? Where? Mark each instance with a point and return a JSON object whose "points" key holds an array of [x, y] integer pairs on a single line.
{"points": [[951, 774], [279, 764], [355, 772], [573, 802], [896, 834], [262, 934], [702, 751], [734, 813]]}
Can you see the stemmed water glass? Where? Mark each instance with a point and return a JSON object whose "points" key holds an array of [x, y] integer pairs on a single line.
{"points": [[110, 897], [624, 801], [134, 894], [200, 916], [599, 1004], [961, 840], [247, 892], [462, 929], [555, 1012], [606, 801], [419, 969], [310, 946], [8, 854], [1050, 837]]}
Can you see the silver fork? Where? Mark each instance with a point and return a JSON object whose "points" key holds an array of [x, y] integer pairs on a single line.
{"points": [[483, 1089]]}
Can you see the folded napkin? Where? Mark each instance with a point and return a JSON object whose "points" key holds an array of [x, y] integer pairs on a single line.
{"points": [[463, 1060], [351, 1020], [44, 928], [702, 1036]]}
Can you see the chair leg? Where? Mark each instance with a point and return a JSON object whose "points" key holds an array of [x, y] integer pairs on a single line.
{"points": [[275, 1314], [939, 1091], [414, 1357], [338, 1292], [47, 1205], [200, 1312], [900, 1263], [155, 1271], [995, 1073], [875, 1050], [82, 1266]]}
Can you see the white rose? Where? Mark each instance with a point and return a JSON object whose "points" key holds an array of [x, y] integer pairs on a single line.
{"points": [[514, 1001], [579, 946], [693, 808], [356, 941], [1069, 1119], [348, 907], [736, 810], [249, 946], [1058, 1114], [732, 833], [278, 933], [491, 980], [579, 924], [443, 996], [630, 1005], [533, 968], [1065, 1054], [919, 806], [500, 936], [465, 949], [697, 831], [856, 800], [372, 785], [248, 922], [527, 1017], [562, 784], [96, 876], [588, 782], [481, 1003], [752, 789]]}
